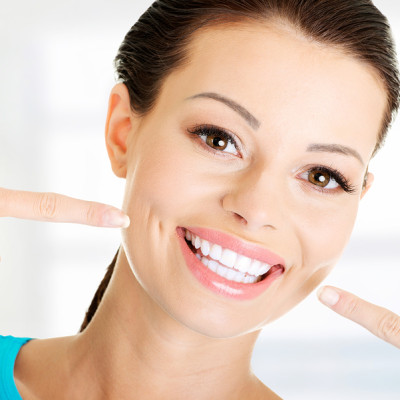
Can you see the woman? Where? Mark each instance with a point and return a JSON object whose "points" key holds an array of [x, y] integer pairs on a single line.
{"points": [[244, 132]]}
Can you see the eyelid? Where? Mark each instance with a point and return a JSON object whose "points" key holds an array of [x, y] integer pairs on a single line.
{"points": [[344, 184], [231, 137]]}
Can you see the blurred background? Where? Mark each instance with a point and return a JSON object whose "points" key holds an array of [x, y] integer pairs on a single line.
{"points": [[55, 76]]}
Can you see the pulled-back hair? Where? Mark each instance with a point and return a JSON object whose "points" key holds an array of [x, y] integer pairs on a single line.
{"points": [[158, 44]]}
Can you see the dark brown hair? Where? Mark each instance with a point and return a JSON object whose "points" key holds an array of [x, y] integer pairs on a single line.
{"points": [[158, 44]]}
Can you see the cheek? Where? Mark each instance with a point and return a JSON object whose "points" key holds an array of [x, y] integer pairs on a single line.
{"points": [[323, 234], [156, 180], [168, 178], [322, 238], [153, 200], [326, 233], [165, 193]]}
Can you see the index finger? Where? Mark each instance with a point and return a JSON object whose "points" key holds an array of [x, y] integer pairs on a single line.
{"points": [[381, 322], [54, 207]]}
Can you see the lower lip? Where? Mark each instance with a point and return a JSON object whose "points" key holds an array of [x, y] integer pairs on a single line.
{"points": [[219, 284]]}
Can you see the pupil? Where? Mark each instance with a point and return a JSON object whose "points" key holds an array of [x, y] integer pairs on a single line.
{"points": [[320, 178], [218, 142]]}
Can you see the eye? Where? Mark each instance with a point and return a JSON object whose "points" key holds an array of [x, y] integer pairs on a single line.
{"points": [[217, 142], [322, 179], [327, 179], [216, 139]]}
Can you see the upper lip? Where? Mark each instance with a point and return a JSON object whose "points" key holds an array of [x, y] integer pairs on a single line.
{"points": [[239, 246]]}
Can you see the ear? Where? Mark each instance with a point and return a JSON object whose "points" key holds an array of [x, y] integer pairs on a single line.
{"points": [[119, 125], [369, 179]]}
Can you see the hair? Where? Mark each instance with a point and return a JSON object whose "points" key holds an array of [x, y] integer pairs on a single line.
{"points": [[159, 43]]}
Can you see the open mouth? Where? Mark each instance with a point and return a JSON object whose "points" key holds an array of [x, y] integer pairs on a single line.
{"points": [[227, 263]]}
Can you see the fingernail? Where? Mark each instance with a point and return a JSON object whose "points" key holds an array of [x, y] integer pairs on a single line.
{"points": [[116, 219], [328, 296]]}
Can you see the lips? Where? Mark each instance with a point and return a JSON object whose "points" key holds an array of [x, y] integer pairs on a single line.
{"points": [[226, 265]]}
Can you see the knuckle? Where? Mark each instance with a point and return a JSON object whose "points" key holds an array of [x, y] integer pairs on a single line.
{"points": [[47, 206], [389, 326], [351, 307], [92, 216]]}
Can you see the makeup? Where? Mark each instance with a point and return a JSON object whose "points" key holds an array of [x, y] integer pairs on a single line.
{"points": [[240, 270]]}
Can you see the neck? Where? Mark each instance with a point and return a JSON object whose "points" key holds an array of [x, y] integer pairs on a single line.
{"points": [[136, 350]]}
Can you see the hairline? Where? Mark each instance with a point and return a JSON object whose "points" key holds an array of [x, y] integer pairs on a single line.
{"points": [[277, 22]]}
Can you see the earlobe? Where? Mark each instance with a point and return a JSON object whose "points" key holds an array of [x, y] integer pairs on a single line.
{"points": [[118, 127], [369, 179]]}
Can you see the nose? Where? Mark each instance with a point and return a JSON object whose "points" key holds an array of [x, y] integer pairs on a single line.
{"points": [[254, 200]]}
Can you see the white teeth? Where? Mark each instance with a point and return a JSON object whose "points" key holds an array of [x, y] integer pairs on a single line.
{"points": [[242, 263], [231, 274], [205, 247], [254, 267], [228, 258], [239, 277], [228, 273], [213, 265], [222, 271], [264, 269], [197, 242], [239, 267], [215, 251]]}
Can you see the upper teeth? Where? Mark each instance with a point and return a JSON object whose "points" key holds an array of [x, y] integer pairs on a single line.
{"points": [[228, 257]]}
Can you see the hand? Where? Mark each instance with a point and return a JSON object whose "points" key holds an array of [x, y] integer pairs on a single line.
{"points": [[53, 207], [381, 322]]}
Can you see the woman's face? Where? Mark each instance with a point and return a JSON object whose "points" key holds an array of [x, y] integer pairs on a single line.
{"points": [[259, 144]]}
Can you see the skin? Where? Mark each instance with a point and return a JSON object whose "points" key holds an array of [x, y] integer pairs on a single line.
{"points": [[157, 328], [54, 207]]}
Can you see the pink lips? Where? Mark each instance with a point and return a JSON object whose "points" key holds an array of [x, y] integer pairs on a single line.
{"points": [[219, 284]]}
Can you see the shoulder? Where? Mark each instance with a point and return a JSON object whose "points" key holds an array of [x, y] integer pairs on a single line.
{"points": [[42, 369], [9, 349], [12, 341]]}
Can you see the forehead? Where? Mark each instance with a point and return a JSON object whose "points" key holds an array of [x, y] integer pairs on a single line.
{"points": [[288, 82]]}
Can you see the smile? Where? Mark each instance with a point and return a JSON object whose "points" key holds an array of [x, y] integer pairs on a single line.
{"points": [[225, 262], [228, 265]]}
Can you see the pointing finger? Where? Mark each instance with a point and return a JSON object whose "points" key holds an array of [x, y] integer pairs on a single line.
{"points": [[55, 207], [381, 322]]}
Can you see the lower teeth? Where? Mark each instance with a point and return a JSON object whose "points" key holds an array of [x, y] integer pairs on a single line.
{"points": [[228, 273]]}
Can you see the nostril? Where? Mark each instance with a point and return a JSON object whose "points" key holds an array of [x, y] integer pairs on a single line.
{"points": [[253, 204], [244, 221], [239, 218]]}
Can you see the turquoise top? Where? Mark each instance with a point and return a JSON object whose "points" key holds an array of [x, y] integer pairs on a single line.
{"points": [[9, 348]]}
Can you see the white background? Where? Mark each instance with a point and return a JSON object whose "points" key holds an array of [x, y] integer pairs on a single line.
{"points": [[55, 76]]}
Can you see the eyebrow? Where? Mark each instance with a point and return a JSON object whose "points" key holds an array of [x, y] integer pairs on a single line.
{"points": [[335, 148], [250, 118]]}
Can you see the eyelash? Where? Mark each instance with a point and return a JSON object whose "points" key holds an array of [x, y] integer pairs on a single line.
{"points": [[337, 176], [209, 130]]}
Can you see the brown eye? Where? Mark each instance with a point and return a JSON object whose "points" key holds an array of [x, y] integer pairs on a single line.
{"points": [[319, 178], [327, 180], [216, 142]]}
